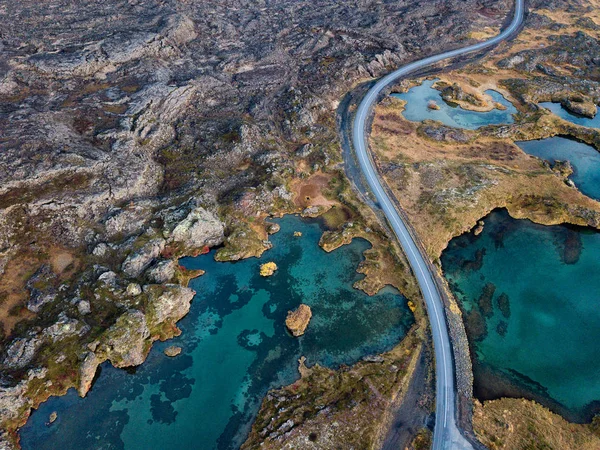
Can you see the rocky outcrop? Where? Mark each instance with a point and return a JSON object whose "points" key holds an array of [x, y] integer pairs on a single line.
{"points": [[87, 372], [169, 302], [172, 351], [199, 228], [21, 352], [126, 344], [297, 320], [581, 107], [139, 260], [162, 272]]}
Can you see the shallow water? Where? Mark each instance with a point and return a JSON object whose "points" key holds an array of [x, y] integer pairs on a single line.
{"points": [[538, 327], [235, 347], [584, 158], [557, 109], [418, 97]]}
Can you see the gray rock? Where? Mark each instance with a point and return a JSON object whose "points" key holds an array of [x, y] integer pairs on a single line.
{"points": [[162, 272], [134, 289], [41, 288], [125, 222], [65, 327], [109, 278], [21, 352], [100, 250], [199, 228], [84, 307], [138, 261]]}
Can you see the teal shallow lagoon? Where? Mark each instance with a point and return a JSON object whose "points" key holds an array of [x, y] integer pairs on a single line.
{"points": [[584, 159], [418, 97], [235, 347], [556, 108], [532, 311]]}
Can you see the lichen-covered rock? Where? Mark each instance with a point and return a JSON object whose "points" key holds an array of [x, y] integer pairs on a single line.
{"points": [[87, 371], [199, 228], [134, 289], [162, 272], [124, 222], [167, 302], [64, 327], [126, 343], [84, 307], [583, 108], [41, 288], [297, 321], [138, 261], [21, 352]]}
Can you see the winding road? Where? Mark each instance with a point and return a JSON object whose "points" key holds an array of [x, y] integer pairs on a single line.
{"points": [[446, 433]]}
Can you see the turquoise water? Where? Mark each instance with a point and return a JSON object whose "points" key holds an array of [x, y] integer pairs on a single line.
{"points": [[235, 347], [532, 311], [418, 97], [584, 158], [557, 109]]}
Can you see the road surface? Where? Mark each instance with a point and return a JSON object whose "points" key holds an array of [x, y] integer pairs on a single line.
{"points": [[446, 434]]}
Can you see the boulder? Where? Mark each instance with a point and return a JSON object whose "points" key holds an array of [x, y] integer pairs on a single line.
{"points": [[298, 320], [199, 228], [134, 289], [84, 307], [162, 272], [138, 261]]}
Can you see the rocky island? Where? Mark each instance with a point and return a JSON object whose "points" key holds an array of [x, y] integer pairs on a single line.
{"points": [[297, 320]]}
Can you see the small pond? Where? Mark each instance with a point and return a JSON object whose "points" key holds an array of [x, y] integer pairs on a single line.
{"points": [[418, 97]]}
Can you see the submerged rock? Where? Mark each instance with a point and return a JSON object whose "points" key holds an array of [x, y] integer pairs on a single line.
{"points": [[504, 305], [298, 320], [172, 351]]}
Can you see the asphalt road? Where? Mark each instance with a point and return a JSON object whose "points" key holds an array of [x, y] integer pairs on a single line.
{"points": [[446, 434]]}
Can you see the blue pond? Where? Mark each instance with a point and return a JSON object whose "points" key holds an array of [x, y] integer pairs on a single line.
{"points": [[418, 97], [530, 297], [584, 159], [235, 347], [557, 109]]}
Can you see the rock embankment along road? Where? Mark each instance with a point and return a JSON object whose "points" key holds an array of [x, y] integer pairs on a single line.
{"points": [[446, 432]]}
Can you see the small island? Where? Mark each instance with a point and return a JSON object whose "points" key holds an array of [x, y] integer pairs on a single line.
{"points": [[298, 320], [268, 269]]}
